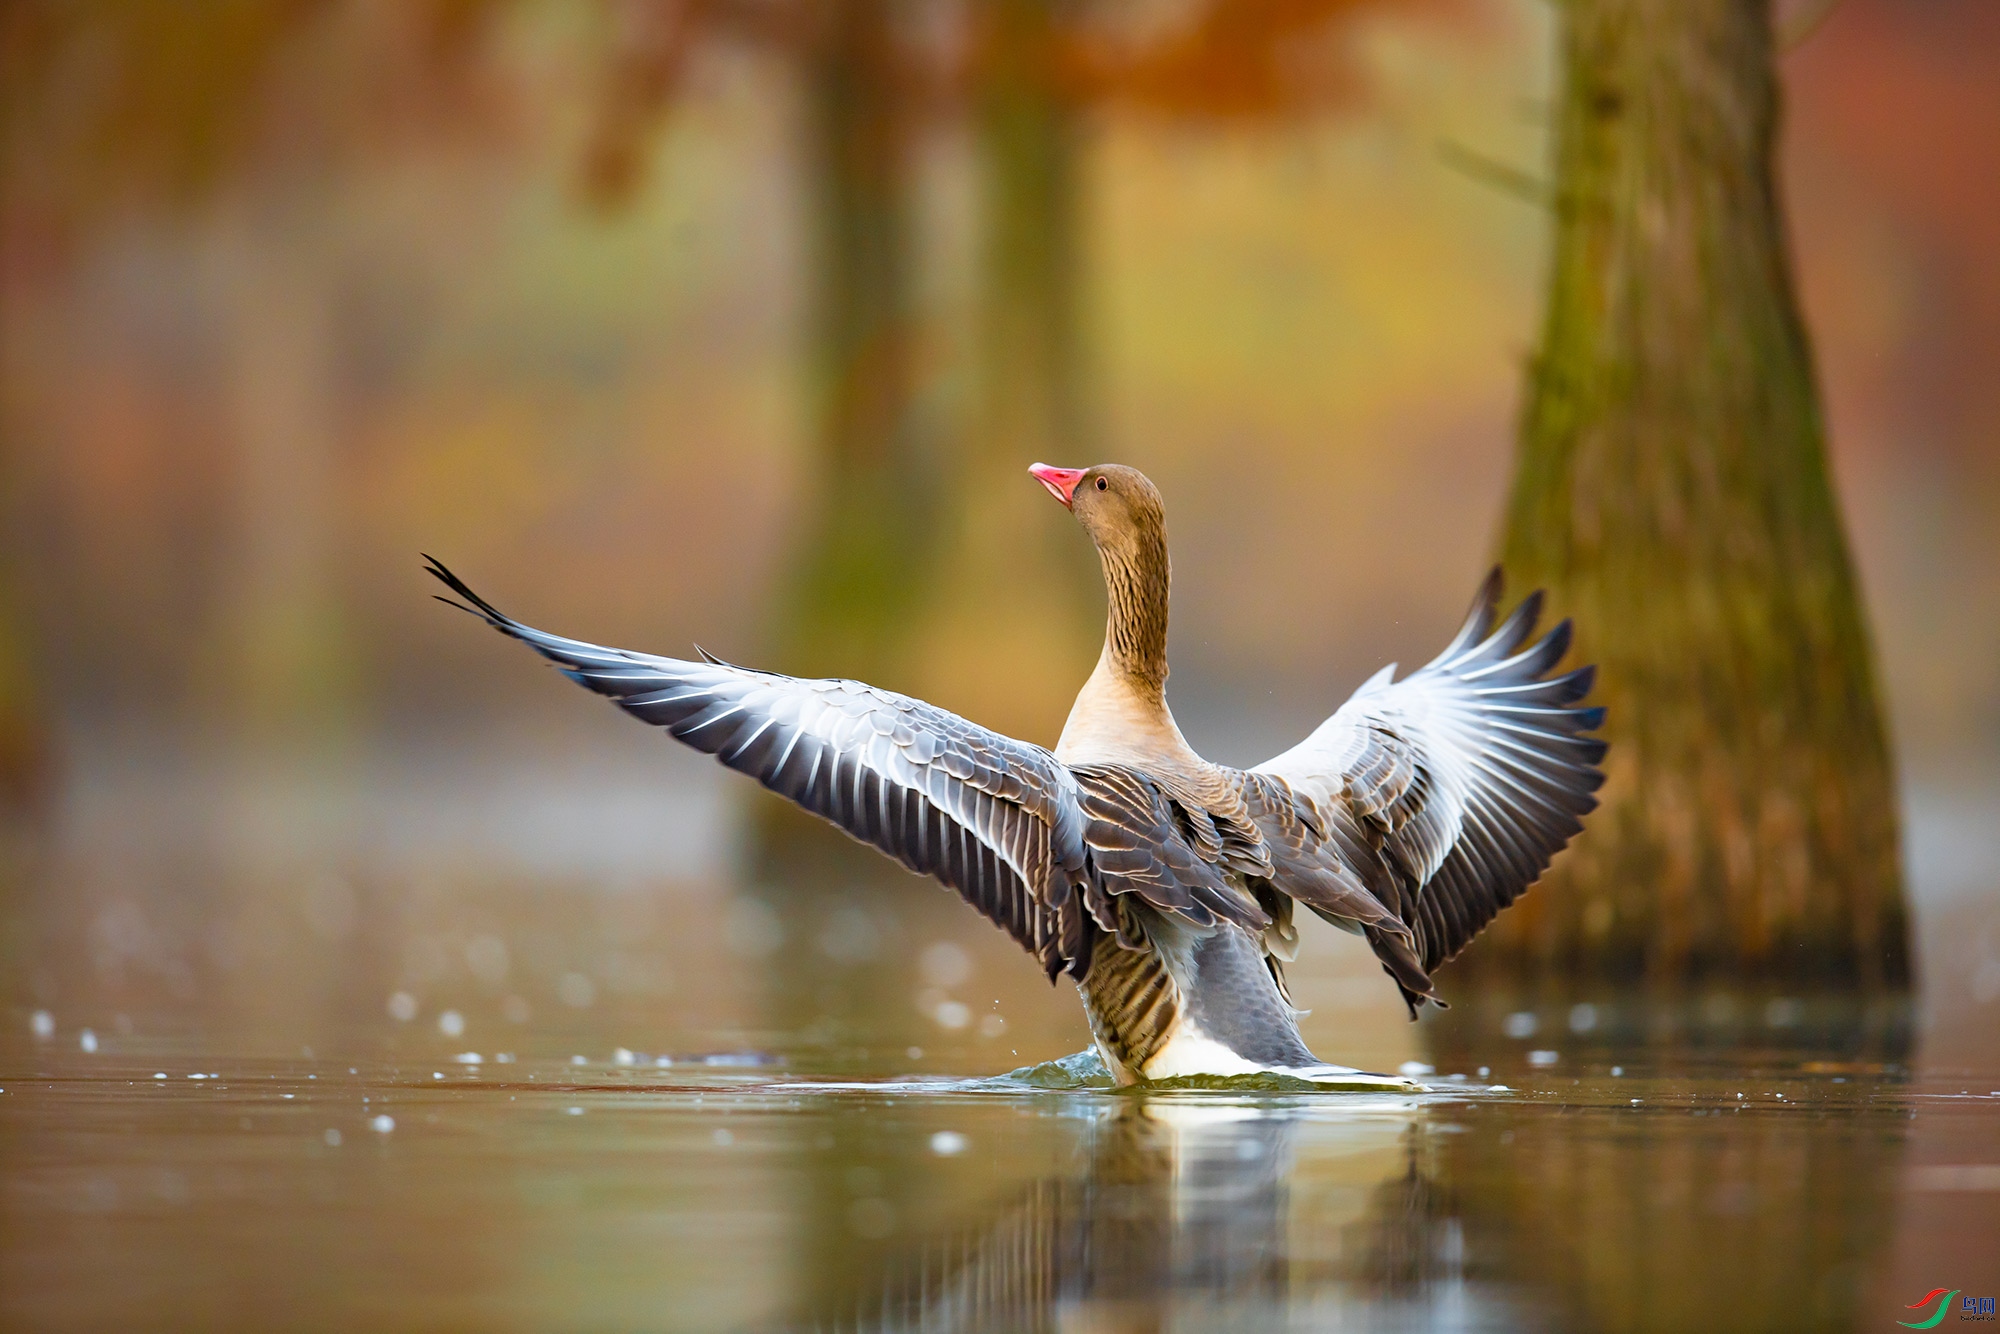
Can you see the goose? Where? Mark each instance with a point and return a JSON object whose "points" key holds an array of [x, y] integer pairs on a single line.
{"points": [[1162, 885]]}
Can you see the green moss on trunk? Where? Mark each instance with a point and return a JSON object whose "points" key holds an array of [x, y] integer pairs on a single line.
{"points": [[1672, 493]]}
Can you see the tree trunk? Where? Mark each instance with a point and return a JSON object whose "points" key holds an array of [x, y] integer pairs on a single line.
{"points": [[859, 561], [857, 571], [1031, 399], [1018, 617], [1672, 494]]}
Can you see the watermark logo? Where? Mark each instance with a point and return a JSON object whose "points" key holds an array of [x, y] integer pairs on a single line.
{"points": [[1969, 1308], [1938, 1295]]}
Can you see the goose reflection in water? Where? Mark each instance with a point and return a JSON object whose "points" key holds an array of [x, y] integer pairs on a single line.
{"points": [[1199, 1211]]}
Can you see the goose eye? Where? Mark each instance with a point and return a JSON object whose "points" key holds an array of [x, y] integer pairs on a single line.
{"points": [[1102, 484]]}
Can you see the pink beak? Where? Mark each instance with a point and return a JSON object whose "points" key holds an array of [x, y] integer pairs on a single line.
{"points": [[1061, 482]]}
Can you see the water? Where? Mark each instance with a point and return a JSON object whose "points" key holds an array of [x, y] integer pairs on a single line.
{"points": [[833, 1145], [1742, 1189]]}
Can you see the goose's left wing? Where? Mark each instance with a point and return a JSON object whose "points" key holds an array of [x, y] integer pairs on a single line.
{"points": [[996, 819], [1449, 791]]}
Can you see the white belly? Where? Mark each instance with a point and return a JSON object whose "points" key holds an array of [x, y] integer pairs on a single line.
{"points": [[1190, 1052]]}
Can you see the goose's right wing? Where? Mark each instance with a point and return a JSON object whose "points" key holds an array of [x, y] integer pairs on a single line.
{"points": [[996, 819]]}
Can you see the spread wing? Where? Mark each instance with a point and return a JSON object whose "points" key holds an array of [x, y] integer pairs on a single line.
{"points": [[998, 820], [1448, 792], [1041, 850]]}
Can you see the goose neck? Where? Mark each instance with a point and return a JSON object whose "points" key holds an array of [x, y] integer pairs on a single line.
{"points": [[1136, 585]]}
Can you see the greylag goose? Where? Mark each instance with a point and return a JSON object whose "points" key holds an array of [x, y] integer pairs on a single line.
{"points": [[1163, 885]]}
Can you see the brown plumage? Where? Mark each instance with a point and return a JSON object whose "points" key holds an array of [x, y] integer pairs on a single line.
{"points": [[1160, 883]]}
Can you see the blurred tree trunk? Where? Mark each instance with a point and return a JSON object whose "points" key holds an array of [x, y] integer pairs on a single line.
{"points": [[859, 563], [1030, 396], [1016, 623], [28, 757], [1672, 493], [854, 578], [289, 683], [27, 750]]}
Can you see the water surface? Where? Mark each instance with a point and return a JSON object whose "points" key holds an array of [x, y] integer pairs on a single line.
{"points": [[149, 1186]]}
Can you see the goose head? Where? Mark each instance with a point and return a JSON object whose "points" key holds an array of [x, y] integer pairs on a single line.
{"points": [[1119, 507]]}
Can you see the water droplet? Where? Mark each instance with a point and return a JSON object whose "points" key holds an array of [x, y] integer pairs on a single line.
{"points": [[1543, 1058], [42, 1024], [382, 1123], [1415, 1068], [948, 1144], [952, 1014], [723, 1138], [451, 1023], [574, 1111], [332, 1138], [487, 957], [623, 1057], [87, 1040], [576, 991], [945, 963], [469, 1058], [402, 1007], [1520, 1024]]}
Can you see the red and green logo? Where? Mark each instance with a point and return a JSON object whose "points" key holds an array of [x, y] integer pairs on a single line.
{"points": [[1938, 1295]]}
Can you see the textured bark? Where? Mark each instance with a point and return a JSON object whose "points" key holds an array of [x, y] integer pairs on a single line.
{"points": [[1672, 493]]}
